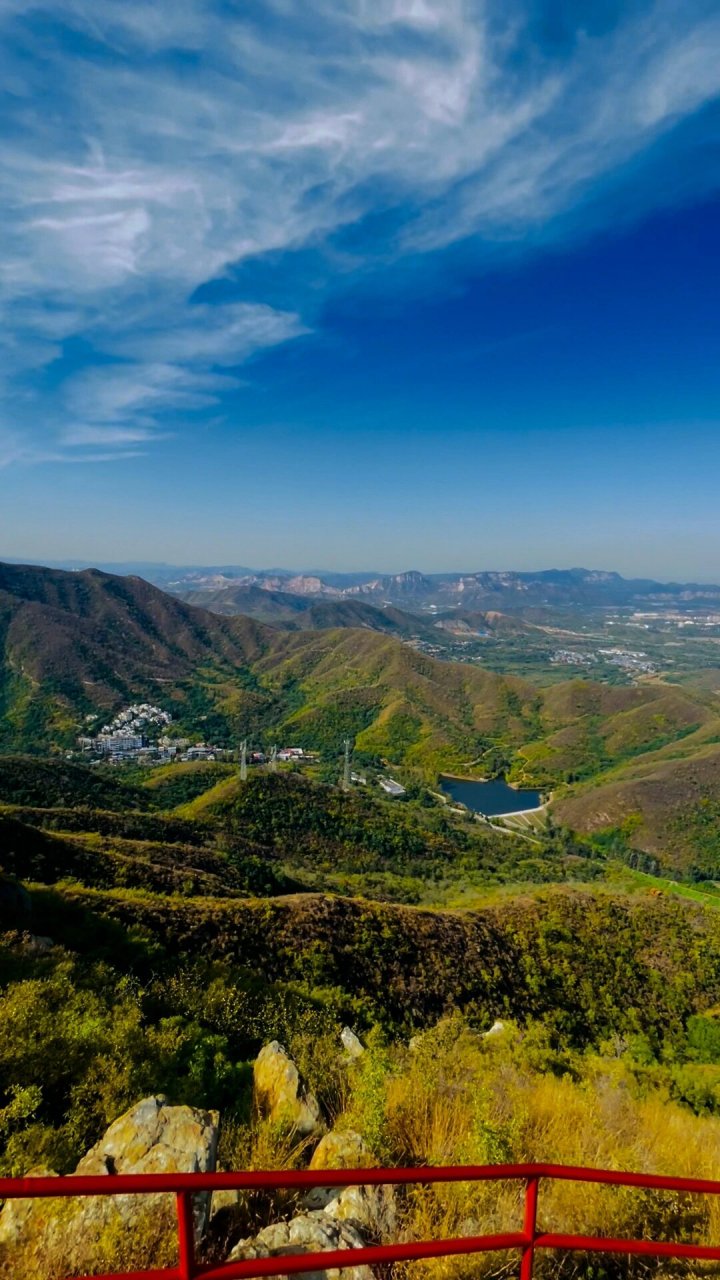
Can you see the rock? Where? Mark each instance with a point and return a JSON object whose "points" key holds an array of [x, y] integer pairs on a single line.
{"points": [[341, 1149], [16, 1214], [372, 1209], [337, 1150], [353, 1047], [152, 1137], [37, 945], [280, 1094], [307, 1233], [496, 1029], [224, 1202]]}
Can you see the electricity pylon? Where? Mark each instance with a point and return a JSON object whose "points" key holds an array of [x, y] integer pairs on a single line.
{"points": [[273, 758], [243, 760], [346, 780]]}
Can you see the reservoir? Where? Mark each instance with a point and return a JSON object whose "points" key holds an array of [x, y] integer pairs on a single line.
{"points": [[491, 798]]}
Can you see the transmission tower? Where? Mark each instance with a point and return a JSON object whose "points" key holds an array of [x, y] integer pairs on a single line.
{"points": [[243, 760], [273, 758], [346, 780]]}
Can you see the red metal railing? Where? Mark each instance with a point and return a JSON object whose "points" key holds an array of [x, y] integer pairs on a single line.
{"points": [[526, 1241]]}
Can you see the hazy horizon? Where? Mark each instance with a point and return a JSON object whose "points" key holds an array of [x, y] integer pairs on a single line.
{"points": [[131, 565]]}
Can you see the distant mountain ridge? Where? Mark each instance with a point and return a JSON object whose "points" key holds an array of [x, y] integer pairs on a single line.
{"points": [[414, 590], [420, 592]]}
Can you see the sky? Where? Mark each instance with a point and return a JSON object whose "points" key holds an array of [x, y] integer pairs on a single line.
{"points": [[361, 284]]}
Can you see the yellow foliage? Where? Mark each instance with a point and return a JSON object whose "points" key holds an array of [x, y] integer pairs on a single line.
{"points": [[459, 1099]]}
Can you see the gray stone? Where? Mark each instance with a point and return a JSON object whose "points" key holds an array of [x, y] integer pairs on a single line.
{"points": [[496, 1029], [352, 1045], [372, 1209], [339, 1149], [307, 1233], [152, 1137]]}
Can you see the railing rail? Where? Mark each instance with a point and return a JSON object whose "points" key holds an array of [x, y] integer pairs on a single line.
{"points": [[526, 1241]]}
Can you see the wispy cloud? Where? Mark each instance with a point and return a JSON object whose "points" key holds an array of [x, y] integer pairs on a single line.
{"points": [[152, 147]]}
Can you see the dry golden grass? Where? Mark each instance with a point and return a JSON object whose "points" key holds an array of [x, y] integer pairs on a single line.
{"points": [[459, 1100], [456, 1098]]}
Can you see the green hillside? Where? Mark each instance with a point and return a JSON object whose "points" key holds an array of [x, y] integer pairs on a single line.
{"points": [[75, 644], [79, 644], [26, 780], [146, 951], [667, 807]]}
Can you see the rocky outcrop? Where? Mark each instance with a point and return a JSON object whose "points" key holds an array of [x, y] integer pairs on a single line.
{"points": [[308, 1233], [281, 1095], [372, 1210], [152, 1137]]}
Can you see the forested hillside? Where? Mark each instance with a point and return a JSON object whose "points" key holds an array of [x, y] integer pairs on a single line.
{"points": [[637, 760]]}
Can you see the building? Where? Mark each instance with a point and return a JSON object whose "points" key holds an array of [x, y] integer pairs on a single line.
{"points": [[114, 743], [391, 787]]}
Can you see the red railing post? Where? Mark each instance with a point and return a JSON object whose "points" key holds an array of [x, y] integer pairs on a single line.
{"points": [[529, 1228], [186, 1236]]}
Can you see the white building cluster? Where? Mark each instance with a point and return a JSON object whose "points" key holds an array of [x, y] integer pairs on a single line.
{"points": [[137, 718], [125, 737]]}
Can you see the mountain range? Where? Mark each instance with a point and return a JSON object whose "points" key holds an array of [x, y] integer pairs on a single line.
{"points": [[416, 591], [77, 646]]}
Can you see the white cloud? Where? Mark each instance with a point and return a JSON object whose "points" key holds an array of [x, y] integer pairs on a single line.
{"points": [[145, 176], [109, 437], [217, 335]]}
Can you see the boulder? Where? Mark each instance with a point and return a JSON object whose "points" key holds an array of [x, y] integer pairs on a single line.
{"points": [[371, 1209], [341, 1149], [16, 1215], [280, 1093], [152, 1137], [496, 1029], [307, 1233], [353, 1047]]}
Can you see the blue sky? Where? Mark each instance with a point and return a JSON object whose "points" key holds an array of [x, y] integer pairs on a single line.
{"points": [[361, 283]]}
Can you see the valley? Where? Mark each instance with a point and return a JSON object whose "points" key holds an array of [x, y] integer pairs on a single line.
{"points": [[630, 760], [163, 917]]}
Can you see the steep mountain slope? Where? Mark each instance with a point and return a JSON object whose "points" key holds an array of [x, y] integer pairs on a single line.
{"points": [[589, 726], [595, 963], [252, 600], [74, 642], [667, 806], [294, 612]]}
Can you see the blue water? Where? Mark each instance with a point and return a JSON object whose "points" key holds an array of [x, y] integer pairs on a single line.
{"points": [[491, 798]]}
